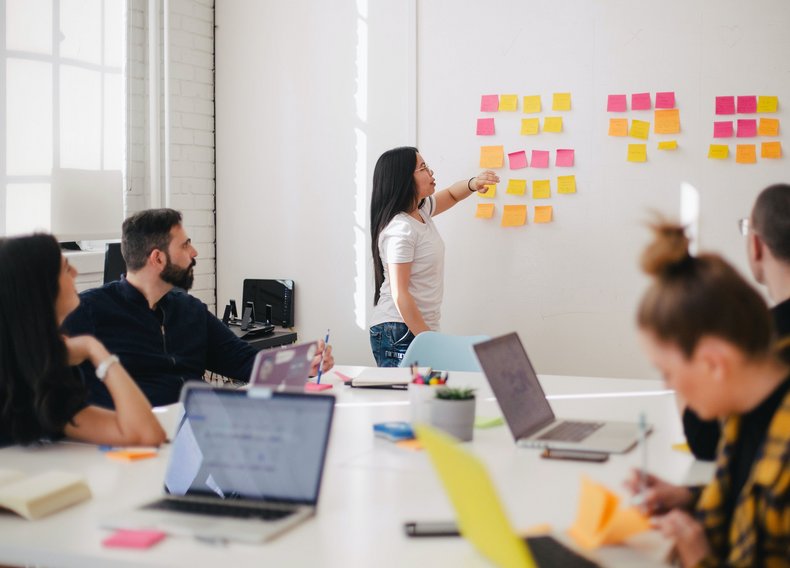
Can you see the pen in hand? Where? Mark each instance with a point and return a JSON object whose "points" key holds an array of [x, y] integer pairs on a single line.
{"points": [[321, 362]]}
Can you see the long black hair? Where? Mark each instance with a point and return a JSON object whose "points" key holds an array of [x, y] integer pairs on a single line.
{"points": [[39, 392], [393, 192]]}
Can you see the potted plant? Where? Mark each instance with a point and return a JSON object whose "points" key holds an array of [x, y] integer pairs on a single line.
{"points": [[453, 411]]}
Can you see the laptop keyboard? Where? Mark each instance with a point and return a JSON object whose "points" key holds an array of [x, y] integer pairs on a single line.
{"points": [[219, 510], [548, 551], [571, 431]]}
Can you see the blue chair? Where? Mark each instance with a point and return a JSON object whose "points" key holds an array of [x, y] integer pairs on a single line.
{"points": [[443, 352]]}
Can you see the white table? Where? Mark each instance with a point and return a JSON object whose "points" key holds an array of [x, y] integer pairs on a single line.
{"points": [[370, 487]]}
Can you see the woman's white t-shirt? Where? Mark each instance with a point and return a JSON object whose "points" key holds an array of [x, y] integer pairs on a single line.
{"points": [[405, 239]]}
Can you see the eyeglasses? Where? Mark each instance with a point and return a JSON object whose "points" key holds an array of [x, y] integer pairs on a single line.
{"points": [[743, 226], [424, 168]]}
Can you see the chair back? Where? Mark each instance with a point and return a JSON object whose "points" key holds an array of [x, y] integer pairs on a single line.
{"points": [[443, 352]]}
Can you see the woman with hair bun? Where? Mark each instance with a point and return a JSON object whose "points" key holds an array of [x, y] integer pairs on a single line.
{"points": [[709, 333]]}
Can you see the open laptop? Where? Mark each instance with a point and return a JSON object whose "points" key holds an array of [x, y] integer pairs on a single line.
{"points": [[284, 368], [480, 514], [245, 465], [528, 413]]}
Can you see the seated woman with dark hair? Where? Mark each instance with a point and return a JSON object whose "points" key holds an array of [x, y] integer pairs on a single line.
{"points": [[42, 396]]}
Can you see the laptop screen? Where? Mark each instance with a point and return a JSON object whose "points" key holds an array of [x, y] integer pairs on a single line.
{"points": [[515, 384], [252, 444]]}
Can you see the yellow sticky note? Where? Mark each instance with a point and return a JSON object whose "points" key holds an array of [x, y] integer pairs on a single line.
{"points": [[514, 215], [530, 125], [667, 121], [532, 104], [484, 211], [767, 104], [566, 184], [746, 154], [639, 129], [768, 127], [561, 101], [682, 447], [490, 191], [718, 151], [541, 189], [618, 127], [637, 152], [552, 124], [516, 186], [668, 145], [543, 214], [771, 150], [508, 102], [492, 156]]}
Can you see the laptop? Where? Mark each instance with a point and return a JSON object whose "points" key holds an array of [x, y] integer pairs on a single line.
{"points": [[285, 368], [244, 466], [529, 415], [480, 514]]}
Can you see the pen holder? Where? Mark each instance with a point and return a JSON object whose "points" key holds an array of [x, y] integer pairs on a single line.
{"points": [[420, 399]]}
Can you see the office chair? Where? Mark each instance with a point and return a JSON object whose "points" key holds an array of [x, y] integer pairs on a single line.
{"points": [[114, 264], [443, 352]]}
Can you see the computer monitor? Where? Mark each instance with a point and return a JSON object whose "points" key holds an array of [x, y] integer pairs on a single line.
{"points": [[114, 264], [279, 294]]}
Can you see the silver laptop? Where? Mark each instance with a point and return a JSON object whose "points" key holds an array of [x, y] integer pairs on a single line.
{"points": [[245, 465], [284, 368], [527, 412]]}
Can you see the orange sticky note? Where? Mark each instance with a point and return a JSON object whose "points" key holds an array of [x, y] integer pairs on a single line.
{"points": [[530, 126], [484, 211], [492, 156], [718, 152], [667, 121], [531, 104], [618, 127], [566, 184], [508, 102], [541, 189], [771, 150], [767, 104], [516, 187], [746, 154], [637, 153], [414, 445], [490, 191], [543, 214], [561, 101], [131, 455], [514, 215], [639, 129], [768, 127]]}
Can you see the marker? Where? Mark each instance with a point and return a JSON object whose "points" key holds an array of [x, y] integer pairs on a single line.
{"points": [[321, 362]]}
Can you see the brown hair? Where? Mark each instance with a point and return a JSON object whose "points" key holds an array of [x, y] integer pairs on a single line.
{"points": [[692, 297], [771, 219]]}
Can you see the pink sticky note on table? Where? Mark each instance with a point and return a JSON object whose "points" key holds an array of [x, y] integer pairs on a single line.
{"points": [[518, 160], [722, 129], [485, 126], [489, 103], [540, 158], [640, 101], [725, 105], [747, 104], [665, 99], [616, 103], [133, 539], [747, 127], [564, 158]]}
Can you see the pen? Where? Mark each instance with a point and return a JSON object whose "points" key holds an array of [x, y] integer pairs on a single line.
{"points": [[643, 443], [321, 362]]}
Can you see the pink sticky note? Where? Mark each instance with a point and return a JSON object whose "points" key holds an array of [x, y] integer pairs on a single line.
{"points": [[747, 104], [640, 101], [616, 103], [540, 158], [665, 99], [722, 129], [133, 539], [489, 103], [747, 127], [564, 158], [485, 126], [518, 160], [725, 105]]}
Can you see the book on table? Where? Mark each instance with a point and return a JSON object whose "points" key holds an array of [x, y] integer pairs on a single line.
{"points": [[385, 377], [37, 496]]}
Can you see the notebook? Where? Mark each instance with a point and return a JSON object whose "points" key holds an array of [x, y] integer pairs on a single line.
{"points": [[386, 377], [480, 514], [287, 367], [528, 413], [245, 465]]}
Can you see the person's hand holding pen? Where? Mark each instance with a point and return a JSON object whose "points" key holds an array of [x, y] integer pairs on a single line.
{"points": [[324, 351], [658, 496]]}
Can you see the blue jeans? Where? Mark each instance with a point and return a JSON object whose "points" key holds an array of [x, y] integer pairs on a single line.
{"points": [[389, 342]]}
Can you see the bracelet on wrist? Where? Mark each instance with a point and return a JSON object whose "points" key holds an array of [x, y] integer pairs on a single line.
{"points": [[469, 185], [103, 367]]}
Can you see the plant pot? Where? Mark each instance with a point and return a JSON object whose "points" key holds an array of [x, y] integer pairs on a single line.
{"points": [[456, 417]]}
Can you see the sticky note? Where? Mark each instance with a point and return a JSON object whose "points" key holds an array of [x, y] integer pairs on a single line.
{"points": [[508, 102], [747, 104], [616, 103], [131, 455], [489, 103], [514, 215], [618, 127], [767, 104], [639, 129], [665, 99], [517, 160], [531, 104], [768, 127], [747, 127], [492, 156], [414, 445], [771, 150], [516, 186], [725, 105], [718, 151], [490, 191], [566, 184], [530, 126], [682, 447], [133, 539], [488, 422], [565, 158], [637, 152], [722, 129], [668, 145], [541, 189], [552, 124], [561, 101], [540, 159], [640, 101], [667, 121], [485, 126], [746, 154], [484, 210], [542, 214]]}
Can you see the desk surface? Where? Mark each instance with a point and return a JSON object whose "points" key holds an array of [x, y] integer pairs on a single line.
{"points": [[370, 487]]}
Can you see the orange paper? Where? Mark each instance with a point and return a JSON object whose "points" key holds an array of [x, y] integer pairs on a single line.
{"points": [[514, 215], [618, 127], [771, 150], [131, 455], [543, 214], [484, 210], [768, 127], [492, 156], [746, 154], [667, 121]]}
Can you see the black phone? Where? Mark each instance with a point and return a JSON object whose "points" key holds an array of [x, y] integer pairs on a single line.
{"points": [[431, 528], [579, 455]]}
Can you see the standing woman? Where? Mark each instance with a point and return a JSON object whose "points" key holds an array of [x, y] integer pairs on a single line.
{"points": [[408, 252], [42, 395]]}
